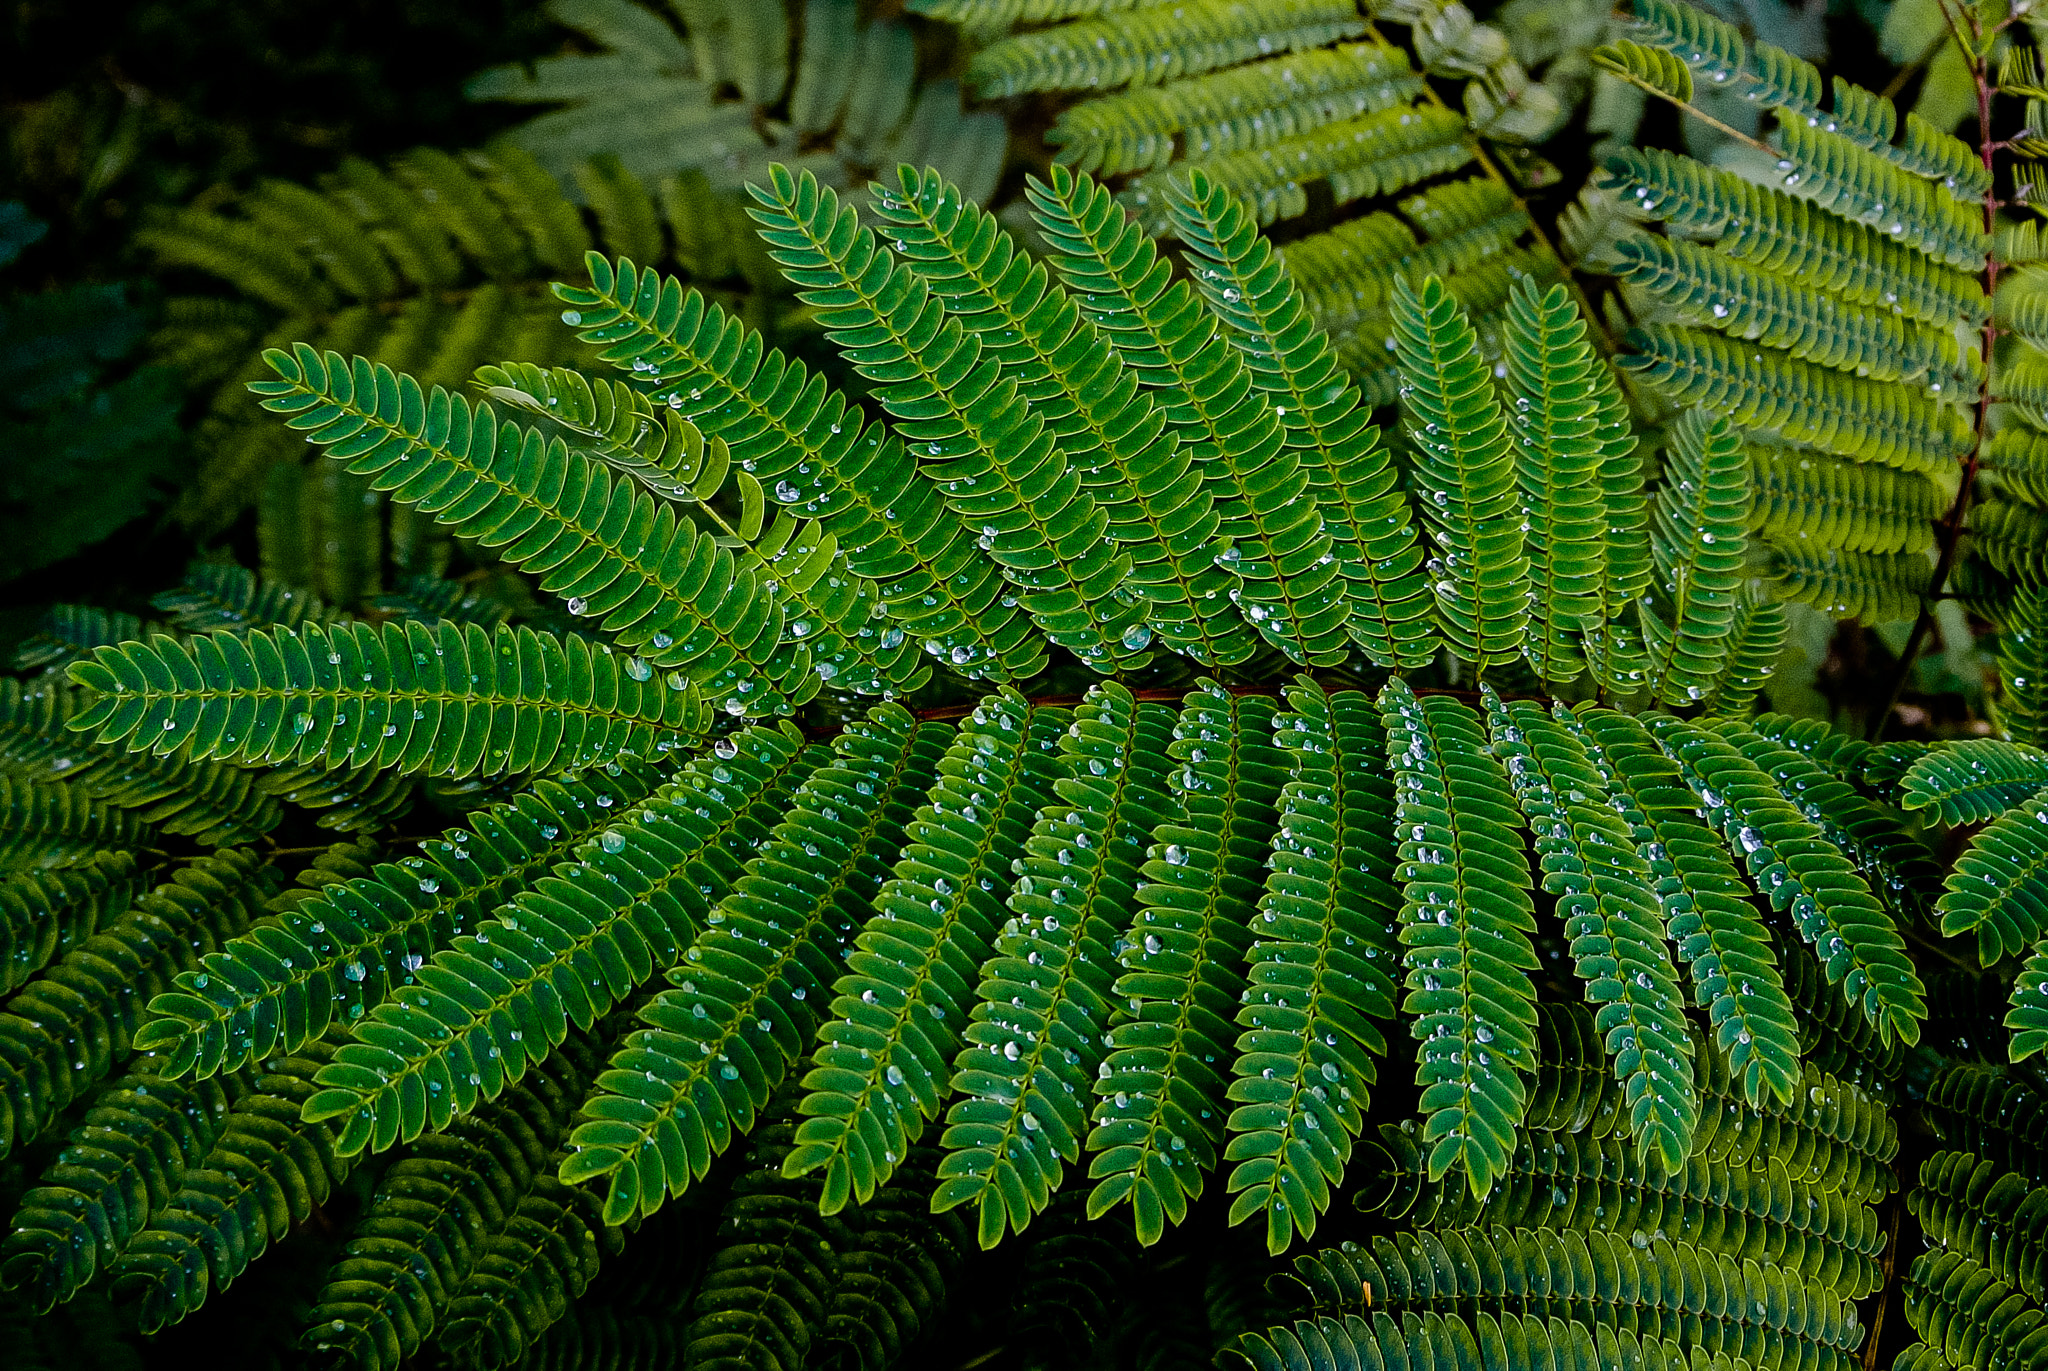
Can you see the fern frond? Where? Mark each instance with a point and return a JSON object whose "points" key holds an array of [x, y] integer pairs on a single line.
{"points": [[49, 826], [1802, 497], [899, 1266], [1465, 476], [997, 467], [1974, 779], [528, 1274], [776, 417], [2023, 668], [604, 546], [353, 799], [448, 700], [2009, 536], [1109, 430], [1654, 69], [1433, 1339], [1152, 44], [1951, 1298], [1721, 292], [266, 1171], [1798, 870], [1996, 889], [46, 913], [222, 595], [1320, 970], [681, 1089], [1870, 587], [67, 633], [1350, 475], [1706, 909], [1865, 188], [1612, 649], [354, 944], [1160, 1094], [1698, 540], [880, 1076], [68, 1028], [2018, 457], [996, 13], [1034, 1036], [1793, 238], [1846, 415], [1754, 644], [432, 600], [1466, 924], [123, 1161], [1612, 919], [1968, 1205], [1252, 106]]}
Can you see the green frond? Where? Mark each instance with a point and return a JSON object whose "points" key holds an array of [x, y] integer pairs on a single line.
{"points": [[660, 449], [354, 944], [1804, 498], [528, 1274], [1380, 153], [1870, 587], [2023, 668], [1709, 288], [1464, 475], [1698, 541], [1466, 925], [1707, 913], [322, 528], [1320, 970], [1846, 415], [449, 700], [1968, 1205], [1253, 106], [433, 1211], [1160, 1094], [1108, 430], [432, 600], [1974, 779], [46, 826], [880, 1076], [997, 13], [1792, 238], [2027, 1015], [1325, 424], [776, 418], [603, 545], [1554, 417], [1433, 1339], [495, 1002], [1951, 1298], [1800, 872], [1843, 754], [1996, 887], [1652, 68], [896, 1272], [997, 466], [1034, 1036], [266, 1171], [1612, 649], [681, 1089], [1154, 43], [68, 633], [351, 799], [71, 1026], [217, 595], [2010, 536], [123, 1161], [1754, 643], [1611, 918], [44, 914], [2017, 457], [210, 802], [1862, 187]]}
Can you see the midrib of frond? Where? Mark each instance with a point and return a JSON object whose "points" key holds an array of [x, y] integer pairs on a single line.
{"points": [[1554, 610]]}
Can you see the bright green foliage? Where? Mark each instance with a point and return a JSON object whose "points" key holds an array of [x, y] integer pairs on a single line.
{"points": [[1101, 422], [1798, 870], [2018, 458], [1754, 642], [1803, 498], [1466, 924], [1969, 781], [998, 468], [775, 418], [1432, 1340], [1553, 415], [123, 1161], [449, 700], [266, 1170], [1705, 904], [1153, 43], [1613, 648], [1252, 106], [72, 1025], [2028, 1015], [1160, 1094], [1606, 897], [1320, 969], [1697, 544], [44, 914], [896, 1019], [1998, 888], [1034, 1037], [337, 955], [1325, 425], [1465, 476], [699, 1073], [1994, 1217], [2009, 536], [1653, 68], [1870, 587], [619, 425], [497, 1001]]}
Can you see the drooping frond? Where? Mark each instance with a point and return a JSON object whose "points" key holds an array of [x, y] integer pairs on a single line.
{"points": [[1465, 476], [1327, 427], [44, 914], [1805, 499], [449, 700], [1754, 642], [2023, 668], [1466, 924], [1972, 780], [1698, 541], [680, 1090], [1320, 970], [1160, 1093], [1034, 1038], [1997, 887], [1870, 587]]}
